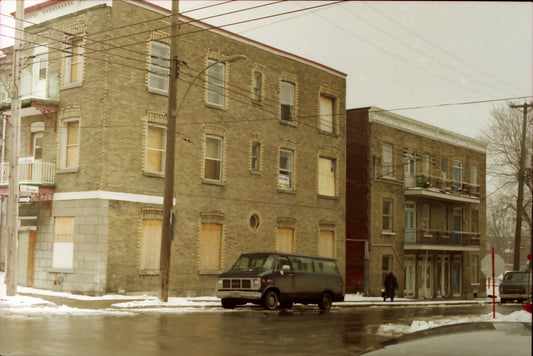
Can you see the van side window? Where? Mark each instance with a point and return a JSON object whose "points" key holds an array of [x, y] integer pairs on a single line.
{"points": [[302, 264], [327, 267], [281, 262]]}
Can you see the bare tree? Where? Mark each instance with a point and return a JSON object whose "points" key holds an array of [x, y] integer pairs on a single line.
{"points": [[504, 136]]}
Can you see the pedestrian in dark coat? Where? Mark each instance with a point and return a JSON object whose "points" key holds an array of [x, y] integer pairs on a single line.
{"points": [[391, 284]]}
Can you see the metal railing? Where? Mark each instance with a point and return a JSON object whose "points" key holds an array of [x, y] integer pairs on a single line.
{"points": [[439, 237], [443, 185], [30, 173]]}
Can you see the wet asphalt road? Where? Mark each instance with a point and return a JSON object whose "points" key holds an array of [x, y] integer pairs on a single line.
{"points": [[304, 330]]}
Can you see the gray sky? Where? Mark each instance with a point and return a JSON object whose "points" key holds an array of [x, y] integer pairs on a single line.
{"points": [[398, 54]]}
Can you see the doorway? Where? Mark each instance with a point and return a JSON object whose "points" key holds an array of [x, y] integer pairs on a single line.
{"points": [[26, 258]]}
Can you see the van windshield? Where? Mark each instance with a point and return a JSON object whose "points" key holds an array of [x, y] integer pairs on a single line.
{"points": [[254, 261]]}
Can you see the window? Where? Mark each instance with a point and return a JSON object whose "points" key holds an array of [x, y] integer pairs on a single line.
{"points": [[73, 64], [215, 83], [386, 267], [426, 211], [426, 166], [257, 84], [63, 254], [457, 174], [387, 214], [155, 148], [150, 246], [210, 247], [287, 101], [326, 176], [70, 144], [326, 245], [410, 166], [36, 145], [256, 155], [327, 114], [285, 169], [474, 269], [213, 158], [387, 160], [158, 77], [285, 240], [444, 168], [474, 221], [444, 219], [473, 175]]}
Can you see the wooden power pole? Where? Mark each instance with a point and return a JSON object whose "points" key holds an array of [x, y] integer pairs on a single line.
{"points": [[521, 178], [168, 199], [14, 146]]}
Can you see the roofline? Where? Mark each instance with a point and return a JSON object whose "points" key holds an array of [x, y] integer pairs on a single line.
{"points": [[157, 8]]}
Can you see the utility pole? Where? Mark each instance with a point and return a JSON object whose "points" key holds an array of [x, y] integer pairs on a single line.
{"points": [[14, 146], [168, 199], [521, 178]]}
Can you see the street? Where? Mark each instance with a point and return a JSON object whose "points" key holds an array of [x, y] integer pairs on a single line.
{"points": [[304, 330]]}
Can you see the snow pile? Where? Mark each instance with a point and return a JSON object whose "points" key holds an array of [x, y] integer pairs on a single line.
{"points": [[417, 325]]}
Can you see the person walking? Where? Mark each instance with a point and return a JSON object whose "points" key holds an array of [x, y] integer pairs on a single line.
{"points": [[391, 284]]}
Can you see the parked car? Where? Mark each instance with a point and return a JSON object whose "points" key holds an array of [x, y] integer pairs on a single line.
{"points": [[515, 285], [272, 279]]}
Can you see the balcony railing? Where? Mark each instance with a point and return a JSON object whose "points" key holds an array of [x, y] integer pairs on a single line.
{"points": [[439, 237], [39, 173], [442, 185], [42, 89]]}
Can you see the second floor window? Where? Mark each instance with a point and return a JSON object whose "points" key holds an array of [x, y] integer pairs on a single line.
{"points": [[70, 144], [457, 174], [285, 169], [387, 214], [158, 78], [73, 64], [155, 149], [287, 101], [256, 155], [215, 83], [326, 176], [327, 114], [213, 158], [387, 160], [257, 85]]}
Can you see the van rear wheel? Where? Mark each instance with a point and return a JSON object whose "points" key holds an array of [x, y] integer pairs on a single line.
{"points": [[325, 301], [270, 300]]}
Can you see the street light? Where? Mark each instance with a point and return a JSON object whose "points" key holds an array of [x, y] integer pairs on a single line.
{"points": [[168, 224]]}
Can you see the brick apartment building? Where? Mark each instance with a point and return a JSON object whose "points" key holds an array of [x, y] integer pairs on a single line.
{"points": [[260, 151], [415, 198]]}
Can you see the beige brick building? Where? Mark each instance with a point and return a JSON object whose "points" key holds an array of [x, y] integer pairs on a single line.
{"points": [[415, 206], [259, 162]]}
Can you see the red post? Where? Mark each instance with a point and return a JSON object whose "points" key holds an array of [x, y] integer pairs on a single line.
{"points": [[493, 288]]}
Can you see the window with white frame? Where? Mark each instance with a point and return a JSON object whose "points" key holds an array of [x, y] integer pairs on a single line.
{"points": [[256, 156], [73, 62], [387, 214], [327, 114], [287, 101], [155, 148], [215, 83], [285, 176], [457, 174], [426, 166], [63, 253], [70, 143], [387, 163], [213, 158], [326, 176], [473, 176], [158, 78]]}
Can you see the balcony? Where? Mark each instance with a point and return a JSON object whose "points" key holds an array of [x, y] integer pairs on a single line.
{"points": [[441, 240], [437, 187], [36, 173]]}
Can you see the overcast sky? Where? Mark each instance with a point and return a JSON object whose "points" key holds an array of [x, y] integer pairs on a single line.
{"points": [[397, 55]]}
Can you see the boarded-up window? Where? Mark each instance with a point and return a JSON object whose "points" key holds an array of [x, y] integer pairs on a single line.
{"points": [[327, 106], [285, 241], [210, 247], [73, 62], [155, 148], [63, 254], [326, 244], [150, 245], [70, 144], [326, 176]]}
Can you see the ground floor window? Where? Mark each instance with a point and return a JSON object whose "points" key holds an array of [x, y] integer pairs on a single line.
{"points": [[474, 269], [150, 246], [210, 248], [326, 244], [63, 255], [285, 240]]}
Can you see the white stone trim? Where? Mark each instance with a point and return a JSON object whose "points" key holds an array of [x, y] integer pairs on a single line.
{"points": [[107, 195]]}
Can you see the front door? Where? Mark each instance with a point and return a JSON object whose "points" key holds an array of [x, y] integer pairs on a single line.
{"points": [[425, 280], [409, 277], [26, 258], [456, 276]]}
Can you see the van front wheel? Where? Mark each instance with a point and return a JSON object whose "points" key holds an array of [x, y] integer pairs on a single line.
{"points": [[270, 300], [325, 302], [228, 303]]}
